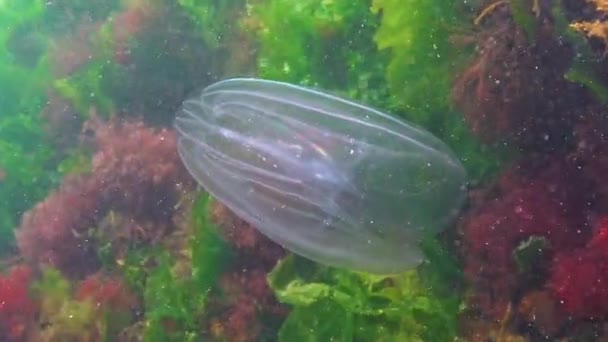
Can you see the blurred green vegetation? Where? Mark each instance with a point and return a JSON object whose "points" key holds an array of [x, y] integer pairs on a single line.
{"points": [[25, 158], [25, 161], [24, 71], [210, 18]]}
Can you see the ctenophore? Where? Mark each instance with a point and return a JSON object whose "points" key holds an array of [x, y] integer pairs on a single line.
{"points": [[329, 179]]}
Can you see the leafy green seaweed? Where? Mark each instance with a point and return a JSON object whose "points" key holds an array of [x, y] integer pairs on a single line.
{"points": [[320, 43], [338, 305], [422, 60]]}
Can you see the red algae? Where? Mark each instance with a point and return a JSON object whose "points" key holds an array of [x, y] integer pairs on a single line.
{"points": [[139, 169], [251, 245], [518, 90], [246, 303], [136, 170], [540, 199], [579, 279], [105, 292], [247, 299], [71, 52], [53, 232], [112, 304], [563, 200], [542, 310], [17, 308], [514, 89], [62, 123], [128, 23]]}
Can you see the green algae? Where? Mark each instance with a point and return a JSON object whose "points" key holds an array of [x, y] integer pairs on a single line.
{"points": [[334, 304]]}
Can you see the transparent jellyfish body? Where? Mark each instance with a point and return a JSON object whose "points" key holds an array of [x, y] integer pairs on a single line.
{"points": [[329, 179]]}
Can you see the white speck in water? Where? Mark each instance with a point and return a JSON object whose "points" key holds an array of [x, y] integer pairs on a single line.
{"points": [[351, 151]]}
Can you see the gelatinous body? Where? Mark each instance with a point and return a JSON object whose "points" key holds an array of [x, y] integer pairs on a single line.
{"points": [[329, 179]]}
